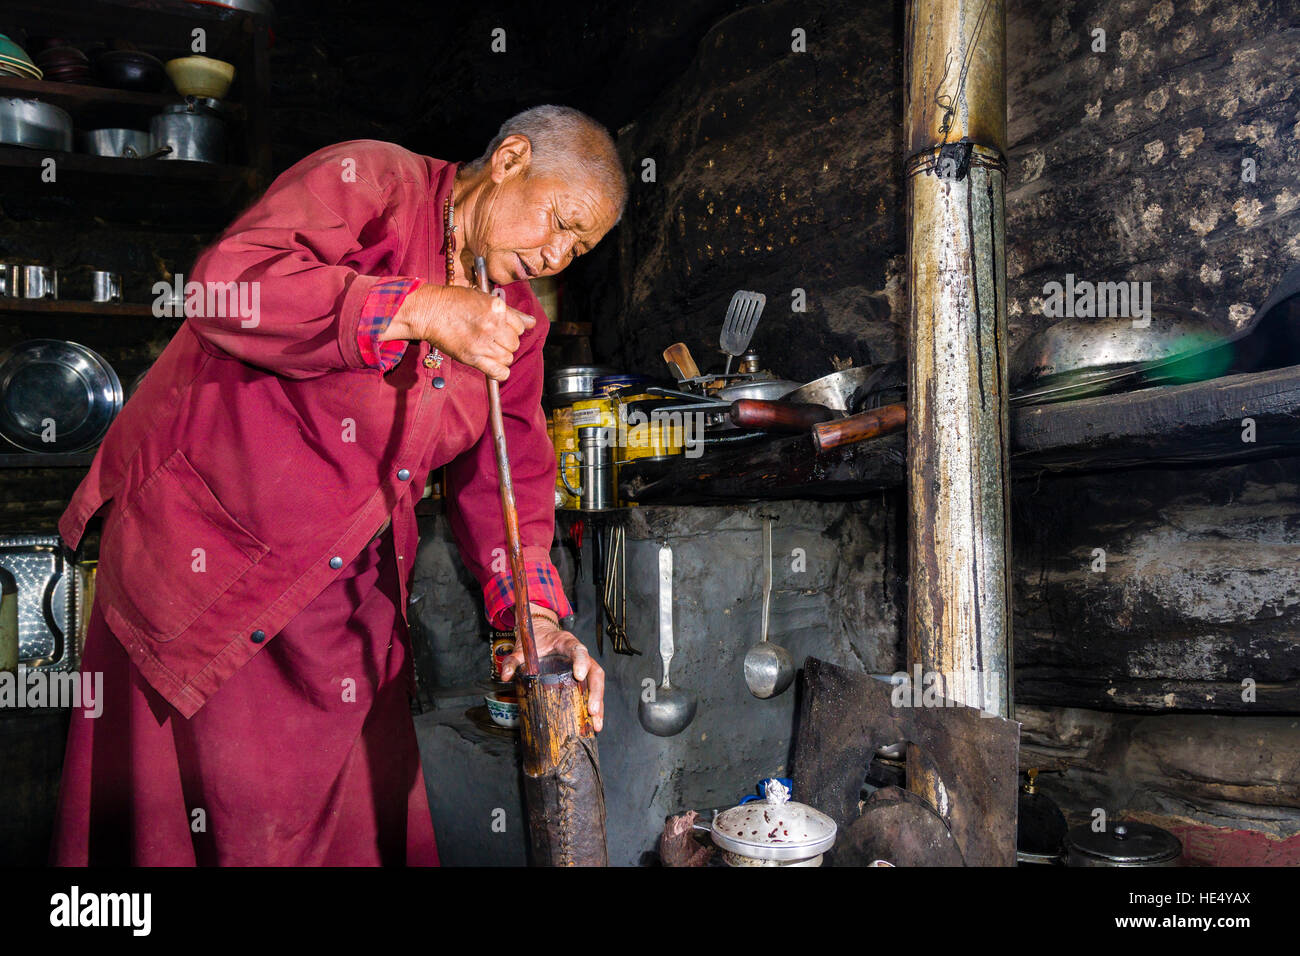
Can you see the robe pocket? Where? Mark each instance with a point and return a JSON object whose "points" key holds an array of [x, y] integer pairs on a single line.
{"points": [[178, 550]]}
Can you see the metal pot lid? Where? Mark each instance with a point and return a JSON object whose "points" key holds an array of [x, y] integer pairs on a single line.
{"points": [[776, 828], [1126, 843]]}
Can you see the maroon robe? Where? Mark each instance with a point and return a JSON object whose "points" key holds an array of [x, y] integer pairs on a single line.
{"points": [[240, 578]]}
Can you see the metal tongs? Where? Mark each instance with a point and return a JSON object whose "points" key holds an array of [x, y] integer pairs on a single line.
{"points": [[616, 571]]}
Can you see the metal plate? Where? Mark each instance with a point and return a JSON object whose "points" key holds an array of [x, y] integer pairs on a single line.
{"points": [[46, 600], [58, 389]]}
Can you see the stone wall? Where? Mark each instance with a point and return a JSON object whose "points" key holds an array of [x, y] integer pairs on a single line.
{"points": [[777, 170], [835, 596]]}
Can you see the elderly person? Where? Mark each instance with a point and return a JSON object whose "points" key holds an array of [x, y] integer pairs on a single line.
{"points": [[250, 616]]}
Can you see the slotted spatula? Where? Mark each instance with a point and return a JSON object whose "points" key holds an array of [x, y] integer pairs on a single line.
{"points": [[738, 327]]}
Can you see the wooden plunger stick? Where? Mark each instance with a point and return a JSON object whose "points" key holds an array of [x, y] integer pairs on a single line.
{"points": [[563, 795], [518, 574]]}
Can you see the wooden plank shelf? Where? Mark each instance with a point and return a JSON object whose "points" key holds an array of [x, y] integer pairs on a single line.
{"points": [[146, 170], [105, 310], [1203, 423], [88, 103], [18, 459], [170, 193]]}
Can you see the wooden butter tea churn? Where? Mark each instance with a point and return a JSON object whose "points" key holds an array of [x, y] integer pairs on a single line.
{"points": [[562, 787]]}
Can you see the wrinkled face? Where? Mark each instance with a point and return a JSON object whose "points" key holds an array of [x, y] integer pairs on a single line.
{"points": [[536, 225]]}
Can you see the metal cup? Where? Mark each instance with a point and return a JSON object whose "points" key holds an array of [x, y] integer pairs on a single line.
{"points": [[105, 286], [10, 276], [40, 282], [596, 470]]}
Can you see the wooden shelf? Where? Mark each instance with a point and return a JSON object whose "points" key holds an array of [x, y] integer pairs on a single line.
{"points": [[1169, 426], [174, 193], [88, 103], [18, 459], [105, 310], [158, 27], [164, 29], [84, 165]]}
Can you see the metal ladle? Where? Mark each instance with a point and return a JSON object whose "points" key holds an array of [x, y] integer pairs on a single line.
{"points": [[668, 711], [769, 668]]}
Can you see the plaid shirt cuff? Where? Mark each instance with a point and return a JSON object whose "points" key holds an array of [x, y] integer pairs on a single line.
{"points": [[543, 589], [378, 309]]}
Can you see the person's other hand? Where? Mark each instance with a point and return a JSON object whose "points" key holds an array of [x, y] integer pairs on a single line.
{"points": [[553, 639]]}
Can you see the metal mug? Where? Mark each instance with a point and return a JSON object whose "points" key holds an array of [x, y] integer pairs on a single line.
{"points": [[9, 281], [40, 282], [105, 286], [596, 470]]}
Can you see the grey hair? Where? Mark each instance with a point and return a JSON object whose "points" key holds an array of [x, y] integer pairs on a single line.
{"points": [[565, 141]]}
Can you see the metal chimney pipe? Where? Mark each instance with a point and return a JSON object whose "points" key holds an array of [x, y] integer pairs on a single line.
{"points": [[959, 626]]}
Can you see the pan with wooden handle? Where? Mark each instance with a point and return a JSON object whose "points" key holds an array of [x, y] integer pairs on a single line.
{"points": [[679, 355], [859, 427], [777, 415]]}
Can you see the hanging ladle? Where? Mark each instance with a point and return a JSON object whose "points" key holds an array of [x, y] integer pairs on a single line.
{"points": [[668, 711], [769, 669]]}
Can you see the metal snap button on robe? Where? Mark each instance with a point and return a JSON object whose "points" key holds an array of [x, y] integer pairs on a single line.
{"points": [[336, 562], [258, 636], [403, 474], [439, 382]]}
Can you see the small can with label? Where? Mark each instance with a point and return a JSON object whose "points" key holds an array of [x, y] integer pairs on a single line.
{"points": [[503, 645]]}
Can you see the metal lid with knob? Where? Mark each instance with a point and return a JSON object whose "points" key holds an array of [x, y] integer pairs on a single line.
{"points": [[1123, 844], [776, 828]]}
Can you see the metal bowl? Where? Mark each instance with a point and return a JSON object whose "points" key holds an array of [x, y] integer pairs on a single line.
{"points": [[33, 123], [131, 70], [56, 389], [1079, 352]]}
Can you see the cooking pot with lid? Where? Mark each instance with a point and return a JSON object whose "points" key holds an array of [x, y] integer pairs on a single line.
{"points": [[1122, 844], [193, 129], [573, 382], [776, 831]]}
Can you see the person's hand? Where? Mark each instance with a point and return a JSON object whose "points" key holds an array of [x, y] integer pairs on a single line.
{"points": [[472, 327], [552, 639]]}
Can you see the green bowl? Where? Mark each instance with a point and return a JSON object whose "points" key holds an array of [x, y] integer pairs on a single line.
{"points": [[13, 51]]}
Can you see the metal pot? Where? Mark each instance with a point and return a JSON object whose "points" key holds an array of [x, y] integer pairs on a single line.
{"points": [[121, 144], [1077, 356], [775, 831], [36, 124], [115, 142], [1123, 844], [193, 132], [574, 382]]}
